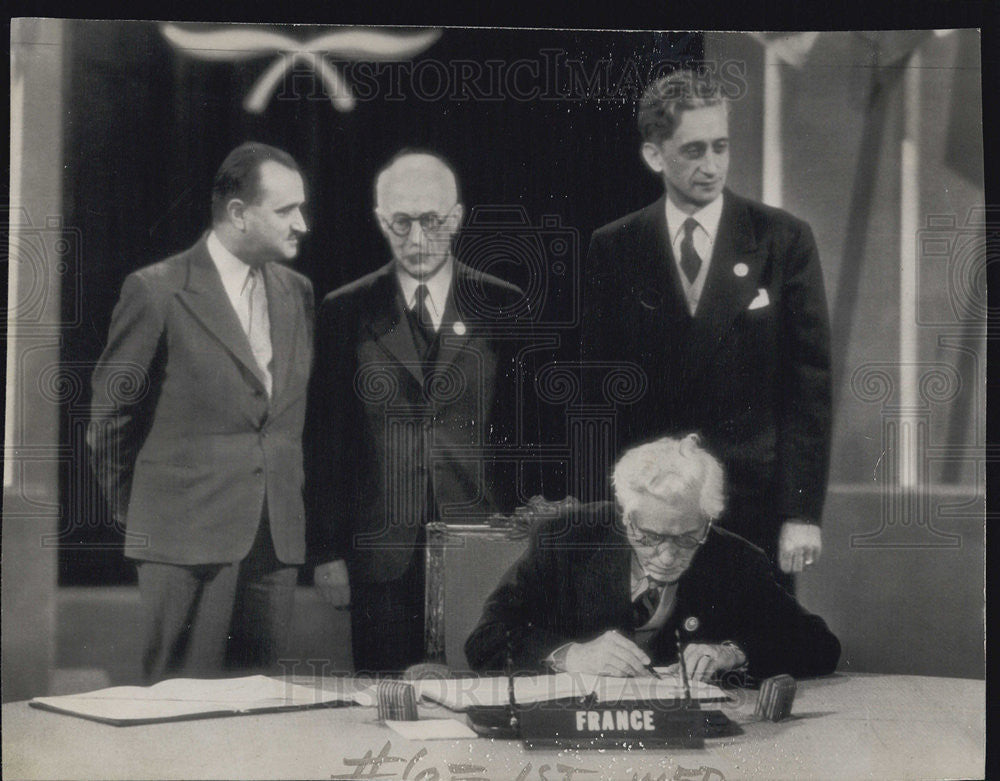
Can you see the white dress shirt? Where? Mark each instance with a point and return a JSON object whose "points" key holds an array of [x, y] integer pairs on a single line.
{"points": [[437, 290], [235, 275], [703, 239]]}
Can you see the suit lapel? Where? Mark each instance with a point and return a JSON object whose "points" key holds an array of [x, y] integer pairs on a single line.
{"points": [[284, 316], [697, 595], [456, 325], [655, 261], [729, 288], [390, 326], [206, 299], [604, 583]]}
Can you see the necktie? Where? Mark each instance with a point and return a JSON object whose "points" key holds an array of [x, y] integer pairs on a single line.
{"points": [[259, 325], [423, 308], [690, 262], [423, 331], [644, 607]]}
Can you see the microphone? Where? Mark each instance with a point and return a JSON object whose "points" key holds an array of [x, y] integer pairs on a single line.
{"points": [[511, 703], [683, 665], [495, 720]]}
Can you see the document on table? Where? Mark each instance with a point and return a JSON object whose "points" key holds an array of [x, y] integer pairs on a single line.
{"points": [[184, 698], [492, 691], [431, 729], [609, 689]]}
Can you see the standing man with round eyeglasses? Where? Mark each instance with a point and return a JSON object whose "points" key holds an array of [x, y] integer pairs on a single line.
{"points": [[413, 387], [607, 588]]}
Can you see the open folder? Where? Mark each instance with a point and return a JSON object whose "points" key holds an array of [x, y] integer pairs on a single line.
{"points": [[463, 693], [197, 698]]}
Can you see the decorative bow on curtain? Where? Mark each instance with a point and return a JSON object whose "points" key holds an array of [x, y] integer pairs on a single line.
{"points": [[244, 43]]}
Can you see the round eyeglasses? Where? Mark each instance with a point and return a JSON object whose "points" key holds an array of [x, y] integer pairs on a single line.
{"points": [[430, 222], [686, 542]]}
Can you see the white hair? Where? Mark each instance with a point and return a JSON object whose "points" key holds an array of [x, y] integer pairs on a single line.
{"points": [[669, 469]]}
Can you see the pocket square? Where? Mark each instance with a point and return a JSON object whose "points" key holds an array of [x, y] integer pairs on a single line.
{"points": [[761, 300]]}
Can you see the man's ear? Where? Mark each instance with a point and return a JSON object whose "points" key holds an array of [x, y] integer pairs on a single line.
{"points": [[454, 225], [652, 156], [236, 209], [382, 223]]}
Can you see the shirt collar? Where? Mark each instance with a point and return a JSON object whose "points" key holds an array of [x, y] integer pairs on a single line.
{"points": [[437, 288], [234, 272], [637, 578], [708, 218], [639, 581]]}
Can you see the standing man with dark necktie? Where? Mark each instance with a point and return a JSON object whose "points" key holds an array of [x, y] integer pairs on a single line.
{"points": [[720, 302], [411, 391], [203, 462]]}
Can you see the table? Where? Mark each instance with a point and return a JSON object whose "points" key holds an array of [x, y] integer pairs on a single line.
{"points": [[845, 726]]}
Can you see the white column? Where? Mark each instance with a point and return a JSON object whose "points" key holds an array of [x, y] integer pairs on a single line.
{"points": [[909, 215], [14, 261], [31, 436], [771, 169]]}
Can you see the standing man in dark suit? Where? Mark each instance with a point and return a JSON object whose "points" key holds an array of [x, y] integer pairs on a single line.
{"points": [[607, 588], [196, 433], [720, 301], [413, 387]]}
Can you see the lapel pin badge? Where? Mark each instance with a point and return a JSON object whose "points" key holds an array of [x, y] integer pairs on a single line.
{"points": [[650, 298], [691, 624], [741, 269], [459, 327]]}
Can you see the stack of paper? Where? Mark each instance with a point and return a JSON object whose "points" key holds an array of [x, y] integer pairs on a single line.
{"points": [[185, 698]]}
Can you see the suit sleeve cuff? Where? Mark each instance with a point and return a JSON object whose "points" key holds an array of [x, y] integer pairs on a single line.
{"points": [[556, 661]]}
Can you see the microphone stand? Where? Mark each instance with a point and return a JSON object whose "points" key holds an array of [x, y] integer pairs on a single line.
{"points": [[511, 702], [683, 665], [496, 720]]}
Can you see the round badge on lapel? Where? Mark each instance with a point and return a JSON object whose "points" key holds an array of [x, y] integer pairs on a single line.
{"points": [[741, 269], [691, 624], [459, 327], [650, 298]]}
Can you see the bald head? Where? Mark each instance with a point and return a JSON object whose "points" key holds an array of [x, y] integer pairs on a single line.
{"points": [[416, 201], [415, 175]]}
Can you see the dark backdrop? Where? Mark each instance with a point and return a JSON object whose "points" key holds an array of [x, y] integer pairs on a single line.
{"points": [[146, 127]]}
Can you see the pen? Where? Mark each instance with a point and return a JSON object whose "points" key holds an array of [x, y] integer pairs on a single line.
{"points": [[652, 671]]}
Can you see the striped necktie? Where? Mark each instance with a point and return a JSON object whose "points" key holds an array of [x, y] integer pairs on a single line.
{"points": [[259, 325], [644, 607]]}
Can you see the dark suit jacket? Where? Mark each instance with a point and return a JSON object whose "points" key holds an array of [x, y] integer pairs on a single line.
{"points": [[183, 437], [754, 381], [573, 584], [386, 432]]}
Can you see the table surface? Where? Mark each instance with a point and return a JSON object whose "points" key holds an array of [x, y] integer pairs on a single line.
{"points": [[843, 726]]}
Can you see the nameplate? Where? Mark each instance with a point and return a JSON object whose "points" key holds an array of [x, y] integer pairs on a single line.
{"points": [[572, 724]]}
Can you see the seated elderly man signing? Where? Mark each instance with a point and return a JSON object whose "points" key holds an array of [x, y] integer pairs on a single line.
{"points": [[606, 588]]}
